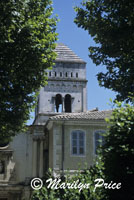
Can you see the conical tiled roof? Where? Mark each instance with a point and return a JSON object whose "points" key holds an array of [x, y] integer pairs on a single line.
{"points": [[65, 54]]}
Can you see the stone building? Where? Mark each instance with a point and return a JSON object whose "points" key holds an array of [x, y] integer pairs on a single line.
{"points": [[64, 134]]}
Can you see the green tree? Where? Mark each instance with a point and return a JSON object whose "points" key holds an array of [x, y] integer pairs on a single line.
{"points": [[117, 155], [27, 41], [86, 177], [111, 25]]}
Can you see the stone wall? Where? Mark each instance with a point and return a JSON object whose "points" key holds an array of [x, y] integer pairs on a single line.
{"points": [[72, 162], [64, 78]]}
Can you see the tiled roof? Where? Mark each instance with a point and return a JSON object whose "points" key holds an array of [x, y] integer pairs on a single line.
{"points": [[89, 115], [65, 54]]}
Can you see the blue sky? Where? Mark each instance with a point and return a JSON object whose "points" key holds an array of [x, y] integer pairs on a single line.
{"points": [[78, 40]]}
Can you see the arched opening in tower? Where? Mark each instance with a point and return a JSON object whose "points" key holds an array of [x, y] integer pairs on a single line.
{"points": [[58, 103], [68, 103]]}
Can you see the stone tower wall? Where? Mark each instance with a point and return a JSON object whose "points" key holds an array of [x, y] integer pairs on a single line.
{"points": [[63, 79]]}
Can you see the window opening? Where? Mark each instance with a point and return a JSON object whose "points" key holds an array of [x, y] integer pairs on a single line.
{"points": [[78, 142], [76, 75], [68, 103], [58, 103], [98, 139]]}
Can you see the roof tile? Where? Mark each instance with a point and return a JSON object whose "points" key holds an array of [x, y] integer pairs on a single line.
{"points": [[65, 54], [89, 115]]}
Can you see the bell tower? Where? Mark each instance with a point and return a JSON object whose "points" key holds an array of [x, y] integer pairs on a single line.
{"points": [[66, 91]]}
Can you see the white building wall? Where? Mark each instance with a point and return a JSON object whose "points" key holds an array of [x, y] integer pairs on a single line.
{"points": [[22, 156]]}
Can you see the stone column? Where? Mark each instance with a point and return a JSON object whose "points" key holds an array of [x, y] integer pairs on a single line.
{"points": [[72, 99], [63, 105], [41, 159], [84, 98], [34, 158], [53, 104]]}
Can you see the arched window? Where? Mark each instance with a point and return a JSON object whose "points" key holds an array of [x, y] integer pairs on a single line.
{"points": [[49, 73], [60, 74], [66, 74], [98, 139], [76, 75], [67, 103], [55, 74], [78, 142], [71, 74], [58, 103]]}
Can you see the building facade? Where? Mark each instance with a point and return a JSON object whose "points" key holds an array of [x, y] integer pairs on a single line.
{"points": [[64, 135]]}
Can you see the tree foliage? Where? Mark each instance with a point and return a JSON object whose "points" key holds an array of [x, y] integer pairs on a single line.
{"points": [[87, 176], [111, 24], [117, 154], [27, 41]]}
